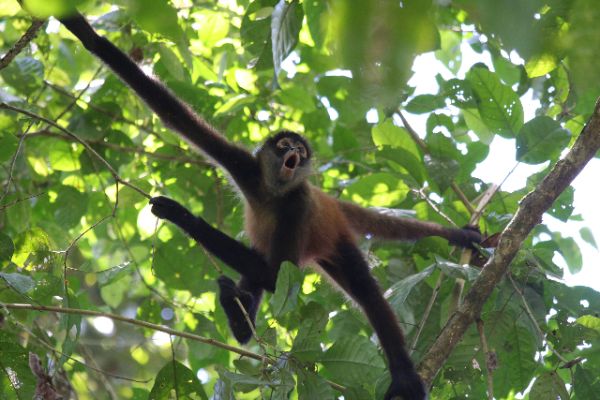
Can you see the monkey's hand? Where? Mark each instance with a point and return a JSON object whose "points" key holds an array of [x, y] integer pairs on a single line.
{"points": [[169, 209], [465, 237], [406, 388]]}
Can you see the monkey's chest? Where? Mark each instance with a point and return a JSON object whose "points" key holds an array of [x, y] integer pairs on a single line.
{"points": [[260, 227]]}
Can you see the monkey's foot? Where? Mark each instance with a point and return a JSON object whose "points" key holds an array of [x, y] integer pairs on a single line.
{"points": [[406, 387], [238, 322]]}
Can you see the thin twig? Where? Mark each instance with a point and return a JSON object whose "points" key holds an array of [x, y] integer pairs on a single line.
{"points": [[160, 328], [421, 143], [436, 290], [140, 323], [89, 148], [489, 365], [529, 313]]}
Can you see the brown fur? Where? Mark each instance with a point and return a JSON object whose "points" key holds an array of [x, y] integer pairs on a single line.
{"points": [[326, 225]]}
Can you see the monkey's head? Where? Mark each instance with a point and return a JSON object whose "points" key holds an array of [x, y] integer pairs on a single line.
{"points": [[285, 161]]}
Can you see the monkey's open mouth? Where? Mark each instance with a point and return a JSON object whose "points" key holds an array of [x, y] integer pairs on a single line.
{"points": [[290, 162]]}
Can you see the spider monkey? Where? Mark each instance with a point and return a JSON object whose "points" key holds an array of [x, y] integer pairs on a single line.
{"points": [[286, 218]]}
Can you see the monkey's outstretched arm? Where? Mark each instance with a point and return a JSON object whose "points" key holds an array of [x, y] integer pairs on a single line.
{"points": [[248, 262], [367, 221], [174, 113]]}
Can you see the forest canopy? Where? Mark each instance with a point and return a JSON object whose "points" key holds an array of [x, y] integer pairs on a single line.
{"points": [[100, 300]]}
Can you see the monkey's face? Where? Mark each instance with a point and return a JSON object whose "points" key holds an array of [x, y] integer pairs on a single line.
{"points": [[285, 161]]}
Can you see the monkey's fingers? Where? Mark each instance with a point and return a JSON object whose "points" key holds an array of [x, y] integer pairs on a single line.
{"points": [[166, 208], [466, 237]]}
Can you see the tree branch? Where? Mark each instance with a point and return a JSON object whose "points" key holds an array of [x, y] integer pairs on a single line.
{"points": [[20, 44], [529, 214], [156, 327]]}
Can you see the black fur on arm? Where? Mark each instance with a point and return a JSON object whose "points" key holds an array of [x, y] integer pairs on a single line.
{"points": [[244, 260], [173, 112], [238, 256]]}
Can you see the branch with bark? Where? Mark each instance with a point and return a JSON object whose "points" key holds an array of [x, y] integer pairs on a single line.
{"points": [[529, 214]]}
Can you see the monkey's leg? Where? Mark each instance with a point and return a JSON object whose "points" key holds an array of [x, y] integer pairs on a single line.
{"points": [[350, 270], [248, 262]]}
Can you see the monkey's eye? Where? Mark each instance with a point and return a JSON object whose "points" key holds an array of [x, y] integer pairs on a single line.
{"points": [[302, 150], [284, 144]]}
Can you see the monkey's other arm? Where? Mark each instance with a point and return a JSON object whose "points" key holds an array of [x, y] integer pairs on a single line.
{"points": [[248, 262], [371, 221], [251, 265]]}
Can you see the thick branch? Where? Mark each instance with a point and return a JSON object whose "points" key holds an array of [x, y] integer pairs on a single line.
{"points": [[529, 214]]}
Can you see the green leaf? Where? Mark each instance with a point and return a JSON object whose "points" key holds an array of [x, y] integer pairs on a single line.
{"points": [[181, 265], [353, 359], [516, 349], [317, 13], [386, 133], [286, 22], [590, 321], [20, 283], [377, 190], [157, 16], [63, 157], [476, 124], [586, 383], [442, 171], [113, 274], [71, 205], [400, 290], [307, 344], [457, 271], [255, 32], [540, 140], [569, 249], [563, 206], [588, 236], [16, 379], [549, 386], [498, 104], [8, 145], [312, 386], [287, 289], [24, 74], [7, 248], [425, 103], [541, 64], [175, 377]]}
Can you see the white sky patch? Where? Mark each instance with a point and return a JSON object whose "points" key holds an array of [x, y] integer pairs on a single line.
{"points": [[104, 325], [160, 339], [203, 376], [501, 159]]}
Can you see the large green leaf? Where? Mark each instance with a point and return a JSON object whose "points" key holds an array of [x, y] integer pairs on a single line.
{"points": [[176, 378], [549, 386], [540, 140], [288, 286], [286, 22], [16, 380], [353, 360], [498, 104]]}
